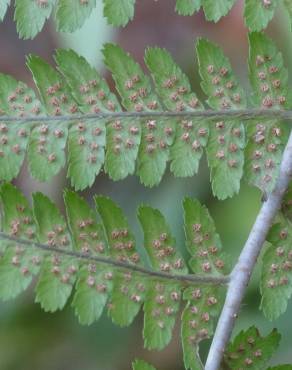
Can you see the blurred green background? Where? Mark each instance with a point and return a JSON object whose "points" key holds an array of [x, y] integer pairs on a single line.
{"points": [[33, 340]]}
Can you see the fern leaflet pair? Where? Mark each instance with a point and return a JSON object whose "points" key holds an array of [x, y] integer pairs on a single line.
{"points": [[124, 291], [100, 261], [70, 15], [127, 145]]}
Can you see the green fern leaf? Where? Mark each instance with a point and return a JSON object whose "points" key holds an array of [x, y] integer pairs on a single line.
{"points": [[57, 274], [225, 157], [203, 243], [58, 100], [227, 139], [250, 350], [128, 289], [127, 296], [46, 150], [16, 99], [174, 90], [141, 365], [135, 90], [268, 75], [187, 7], [71, 14], [18, 264], [30, 16], [94, 280], [203, 305], [266, 140], [4, 4], [127, 285], [164, 138], [276, 279], [92, 94], [214, 10], [121, 14], [123, 140], [46, 155], [159, 243], [162, 300], [54, 92], [82, 161], [281, 367], [259, 13]]}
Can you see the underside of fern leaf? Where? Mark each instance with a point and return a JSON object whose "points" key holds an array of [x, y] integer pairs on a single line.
{"points": [[70, 15], [151, 121], [266, 139], [99, 265], [78, 113], [249, 350], [276, 277], [227, 139]]}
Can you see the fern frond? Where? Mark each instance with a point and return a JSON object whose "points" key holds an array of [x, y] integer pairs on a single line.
{"points": [[258, 14], [227, 139], [128, 290], [276, 287], [18, 265], [137, 95], [276, 269], [162, 301], [92, 96], [30, 16], [70, 15], [57, 273], [266, 140], [203, 306], [16, 99], [88, 239], [250, 350], [174, 90], [204, 245], [165, 122], [100, 264]]}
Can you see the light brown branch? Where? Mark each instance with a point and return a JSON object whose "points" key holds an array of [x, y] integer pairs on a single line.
{"points": [[242, 271]]}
